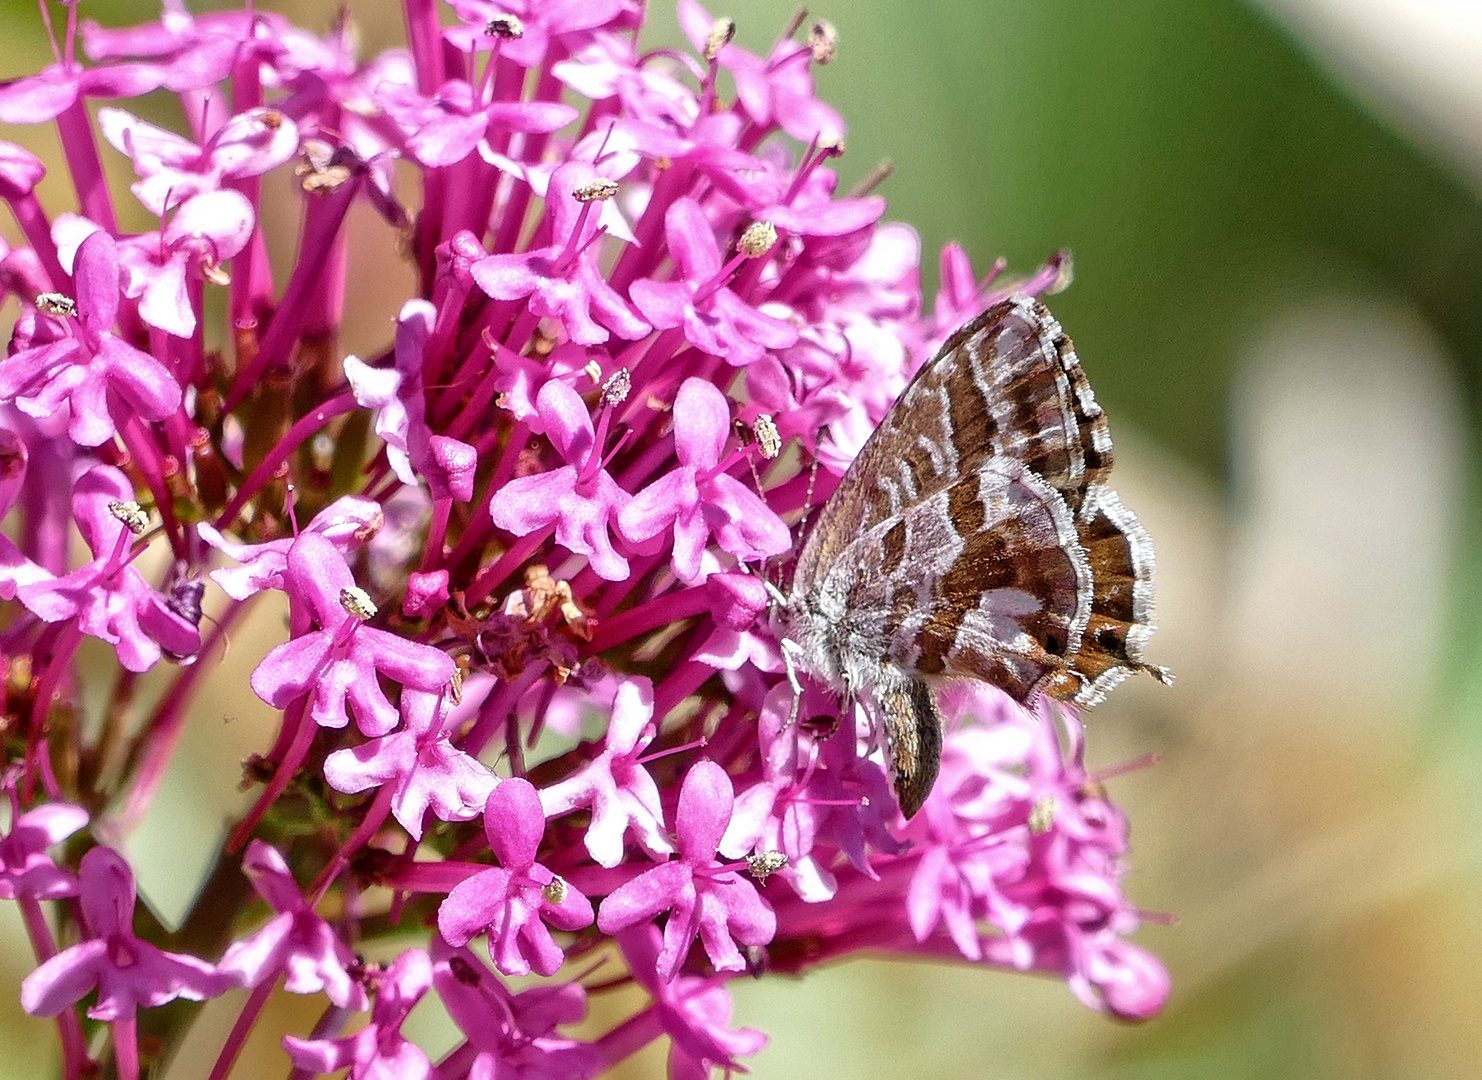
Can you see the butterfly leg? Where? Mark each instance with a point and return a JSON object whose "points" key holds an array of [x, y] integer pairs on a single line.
{"points": [[790, 651]]}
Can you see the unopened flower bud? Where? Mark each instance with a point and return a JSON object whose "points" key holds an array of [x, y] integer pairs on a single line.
{"points": [[757, 239], [358, 603], [1042, 817], [764, 864], [767, 437], [131, 514], [55, 303], [555, 891], [505, 26], [823, 39], [617, 387], [721, 33], [596, 190]]}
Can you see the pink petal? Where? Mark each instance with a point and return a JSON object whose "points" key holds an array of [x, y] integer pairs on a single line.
{"points": [[705, 802], [252, 142], [96, 274], [223, 217], [630, 727], [691, 534], [289, 669], [20, 171], [64, 979], [573, 912], [528, 503], [471, 906], [653, 509], [750, 529], [568, 424], [38, 98], [644, 897], [317, 572], [447, 140], [702, 423], [692, 243], [538, 117], [165, 305], [506, 277], [140, 379], [107, 892], [514, 823]]}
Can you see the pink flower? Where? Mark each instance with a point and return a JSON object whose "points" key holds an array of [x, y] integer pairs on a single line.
{"points": [[512, 1034], [694, 1011], [108, 597], [580, 499], [125, 971], [617, 787], [703, 897], [295, 941], [563, 280], [172, 170], [698, 499], [339, 663], [56, 88], [777, 90], [715, 319], [159, 269], [379, 1050], [25, 867], [400, 400], [446, 128], [514, 900], [80, 363], [347, 523], [429, 772]]}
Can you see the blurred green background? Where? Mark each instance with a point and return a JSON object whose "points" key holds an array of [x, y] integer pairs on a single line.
{"points": [[1276, 230]]}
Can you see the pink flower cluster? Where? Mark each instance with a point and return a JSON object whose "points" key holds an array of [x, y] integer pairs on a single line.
{"points": [[529, 683]]}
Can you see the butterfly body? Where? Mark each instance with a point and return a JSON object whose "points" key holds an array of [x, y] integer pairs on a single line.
{"points": [[974, 537]]}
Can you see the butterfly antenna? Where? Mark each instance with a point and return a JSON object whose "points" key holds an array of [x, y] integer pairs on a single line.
{"points": [[226, 635], [812, 480], [769, 444]]}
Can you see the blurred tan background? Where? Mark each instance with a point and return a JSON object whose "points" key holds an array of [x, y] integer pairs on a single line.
{"points": [[1277, 234]]}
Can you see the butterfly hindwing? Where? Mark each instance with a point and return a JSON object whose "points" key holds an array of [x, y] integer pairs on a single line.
{"points": [[984, 579]]}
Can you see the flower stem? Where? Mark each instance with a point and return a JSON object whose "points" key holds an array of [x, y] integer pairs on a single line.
{"points": [[237, 1038], [297, 435]]}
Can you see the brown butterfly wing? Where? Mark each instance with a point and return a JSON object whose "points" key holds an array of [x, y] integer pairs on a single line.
{"points": [[998, 387], [1008, 384], [985, 579]]}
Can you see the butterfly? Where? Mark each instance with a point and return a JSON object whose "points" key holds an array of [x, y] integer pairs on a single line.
{"points": [[975, 537]]}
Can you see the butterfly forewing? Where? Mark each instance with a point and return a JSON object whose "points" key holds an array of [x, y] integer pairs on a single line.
{"points": [[1007, 384]]}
